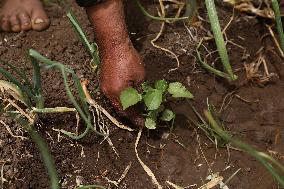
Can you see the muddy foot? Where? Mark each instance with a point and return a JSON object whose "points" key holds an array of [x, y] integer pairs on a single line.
{"points": [[18, 15]]}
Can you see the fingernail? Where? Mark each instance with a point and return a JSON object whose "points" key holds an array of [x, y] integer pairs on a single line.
{"points": [[39, 21]]}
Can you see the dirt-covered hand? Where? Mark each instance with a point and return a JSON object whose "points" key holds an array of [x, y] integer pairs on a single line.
{"points": [[122, 68]]}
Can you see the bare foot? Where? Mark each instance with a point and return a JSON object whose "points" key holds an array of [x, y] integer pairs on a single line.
{"points": [[23, 15]]}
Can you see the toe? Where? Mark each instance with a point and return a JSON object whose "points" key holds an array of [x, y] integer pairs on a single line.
{"points": [[39, 19], [5, 24], [25, 21], [15, 23]]}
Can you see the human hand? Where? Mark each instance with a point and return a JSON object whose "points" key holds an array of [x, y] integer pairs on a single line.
{"points": [[120, 69]]}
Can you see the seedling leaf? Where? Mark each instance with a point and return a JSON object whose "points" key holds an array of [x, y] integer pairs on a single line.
{"points": [[91, 47], [153, 114], [129, 97], [177, 90], [167, 115], [161, 85], [150, 123], [146, 87], [153, 99]]}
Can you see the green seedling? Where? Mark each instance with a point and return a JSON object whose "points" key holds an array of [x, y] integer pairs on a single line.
{"points": [[206, 66], [220, 43], [275, 168], [279, 26], [38, 140], [208, 130], [81, 107], [191, 7], [153, 99], [29, 94], [92, 48], [32, 91], [216, 132]]}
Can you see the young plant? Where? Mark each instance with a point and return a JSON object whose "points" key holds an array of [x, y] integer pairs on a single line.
{"points": [[153, 99], [210, 69], [92, 48], [29, 94], [279, 26], [219, 40], [189, 13], [191, 10], [216, 132], [13, 112], [23, 91], [208, 130], [81, 106], [275, 168]]}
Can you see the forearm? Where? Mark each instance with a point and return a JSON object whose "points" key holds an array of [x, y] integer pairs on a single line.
{"points": [[108, 21], [121, 64]]}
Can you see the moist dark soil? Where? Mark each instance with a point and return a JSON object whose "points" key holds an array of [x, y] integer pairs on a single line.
{"points": [[251, 109]]}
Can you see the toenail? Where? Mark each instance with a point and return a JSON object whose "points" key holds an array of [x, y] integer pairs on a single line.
{"points": [[39, 21]]}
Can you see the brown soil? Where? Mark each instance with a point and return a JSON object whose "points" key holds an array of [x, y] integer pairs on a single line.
{"points": [[250, 110]]}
